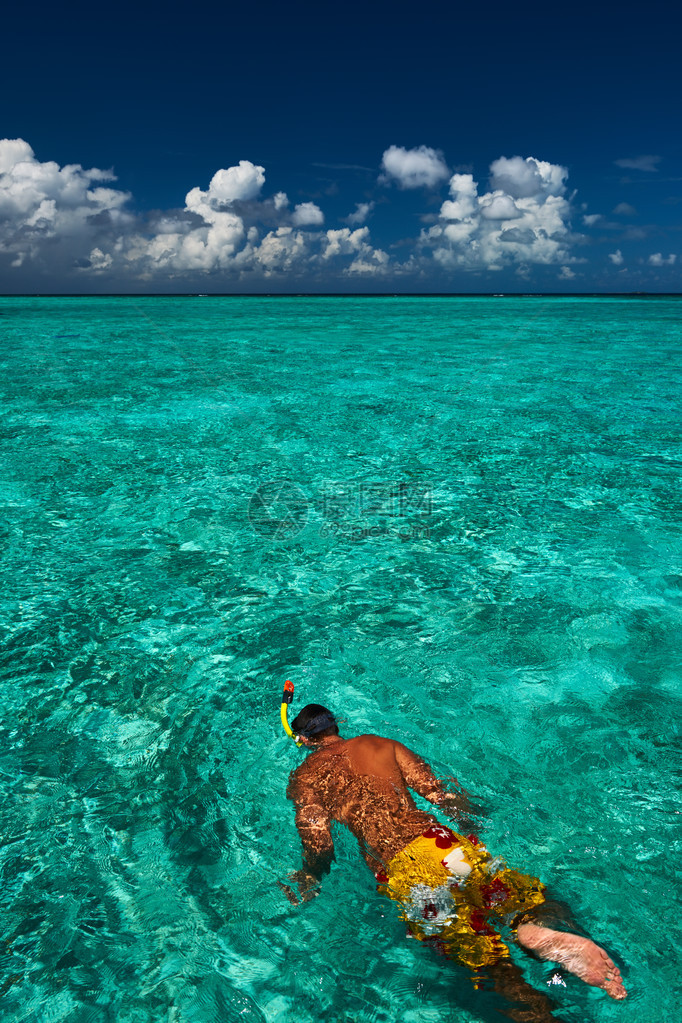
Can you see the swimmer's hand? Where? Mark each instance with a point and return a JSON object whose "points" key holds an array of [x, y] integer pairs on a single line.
{"points": [[459, 807], [308, 886]]}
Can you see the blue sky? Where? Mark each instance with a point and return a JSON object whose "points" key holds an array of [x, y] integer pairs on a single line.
{"points": [[359, 147]]}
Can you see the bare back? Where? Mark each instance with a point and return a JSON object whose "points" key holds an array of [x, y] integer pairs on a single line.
{"points": [[362, 783]]}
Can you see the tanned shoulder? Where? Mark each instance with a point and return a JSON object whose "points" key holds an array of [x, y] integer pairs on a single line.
{"points": [[298, 779]]}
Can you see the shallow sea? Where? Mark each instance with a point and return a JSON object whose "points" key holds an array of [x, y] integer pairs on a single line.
{"points": [[457, 521]]}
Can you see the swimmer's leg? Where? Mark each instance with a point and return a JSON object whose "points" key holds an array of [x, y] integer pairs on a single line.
{"points": [[575, 952], [555, 915], [526, 1004]]}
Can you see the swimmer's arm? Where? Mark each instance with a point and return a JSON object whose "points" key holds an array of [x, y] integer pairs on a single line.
{"points": [[313, 823], [419, 777], [318, 848]]}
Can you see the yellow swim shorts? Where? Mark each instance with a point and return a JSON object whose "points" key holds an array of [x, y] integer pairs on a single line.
{"points": [[451, 892]]}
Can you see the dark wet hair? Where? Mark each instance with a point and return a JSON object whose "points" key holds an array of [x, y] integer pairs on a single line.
{"points": [[314, 722]]}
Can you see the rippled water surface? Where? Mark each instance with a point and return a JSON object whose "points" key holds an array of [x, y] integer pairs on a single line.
{"points": [[456, 521]]}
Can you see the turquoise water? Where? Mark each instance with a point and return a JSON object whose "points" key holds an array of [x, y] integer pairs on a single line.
{"points": [[457, 521]]}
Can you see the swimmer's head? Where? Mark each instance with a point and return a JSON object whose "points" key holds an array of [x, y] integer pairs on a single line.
{"points": [[314, 722]]}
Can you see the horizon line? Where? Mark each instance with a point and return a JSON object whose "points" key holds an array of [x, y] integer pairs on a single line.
{"points": [[342, 294]]}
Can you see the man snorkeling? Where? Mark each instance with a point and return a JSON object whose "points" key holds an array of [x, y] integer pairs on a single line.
{"points": [[452, 892]]}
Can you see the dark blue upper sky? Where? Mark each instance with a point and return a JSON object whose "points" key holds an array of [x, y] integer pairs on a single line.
{"points": [[316, 95]]}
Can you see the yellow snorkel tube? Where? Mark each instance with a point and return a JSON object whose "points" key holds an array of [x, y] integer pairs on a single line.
{"points": [[287, 697]]}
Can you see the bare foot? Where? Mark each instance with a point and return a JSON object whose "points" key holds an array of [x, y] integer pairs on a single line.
{"points": [[578, 955]]}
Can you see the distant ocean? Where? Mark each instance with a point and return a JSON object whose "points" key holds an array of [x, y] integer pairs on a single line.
{"points": [[456, 521]]}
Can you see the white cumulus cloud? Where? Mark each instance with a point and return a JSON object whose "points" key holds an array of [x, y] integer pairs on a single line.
{"points": [[367, 260], [523, 219], [281, 250], [42, 203], [13, 152], [360, 213], [658, 259], [464, 192], [242, 182], [344, 241], [414, 168], [307, 214], [522, 178], [499, 206], [99, 260], [180, 245], [70, 220], [174, 247]]}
